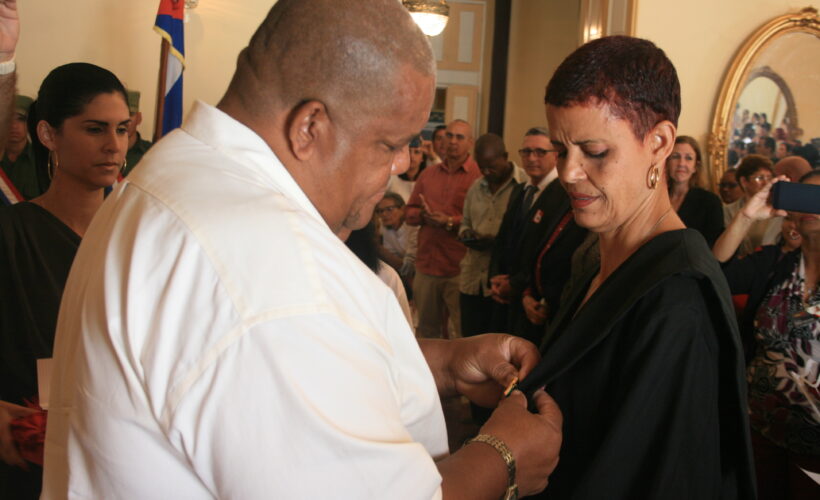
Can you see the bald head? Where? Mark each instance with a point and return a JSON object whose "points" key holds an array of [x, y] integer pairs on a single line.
{"points": [[489, 145], [491, 156], [793, 167], [344, 53]]}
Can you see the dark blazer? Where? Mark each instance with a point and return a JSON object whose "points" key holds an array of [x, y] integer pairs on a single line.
{"points": [[650, 379], [518, 242]]}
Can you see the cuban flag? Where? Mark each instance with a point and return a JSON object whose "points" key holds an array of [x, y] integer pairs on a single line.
{"points": [[169, 25], [8, 193]]}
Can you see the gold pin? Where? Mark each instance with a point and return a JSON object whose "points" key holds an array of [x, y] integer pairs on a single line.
{"points": [[513, 385]]}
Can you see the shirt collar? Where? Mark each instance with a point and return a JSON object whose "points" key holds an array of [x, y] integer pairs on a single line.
{"points": [[551, 176], [238, 142], [466, 166]]}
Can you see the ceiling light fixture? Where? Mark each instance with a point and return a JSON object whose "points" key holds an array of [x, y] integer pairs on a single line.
{"points": [[430, 15]]}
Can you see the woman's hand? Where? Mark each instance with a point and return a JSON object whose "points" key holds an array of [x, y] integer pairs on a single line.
{"points": [[759, 207]]}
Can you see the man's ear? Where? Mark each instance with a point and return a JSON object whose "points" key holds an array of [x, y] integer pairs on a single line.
{"points": [[308, 128], [46, 135]]}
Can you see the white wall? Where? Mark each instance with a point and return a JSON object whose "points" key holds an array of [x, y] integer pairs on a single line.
{"points": [[701, 37], [119, 35], [542, 34]]}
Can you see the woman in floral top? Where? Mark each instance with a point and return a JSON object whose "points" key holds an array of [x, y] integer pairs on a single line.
{"points": [[781, 328]]}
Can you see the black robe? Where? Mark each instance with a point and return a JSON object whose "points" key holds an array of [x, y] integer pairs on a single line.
{"points": [[36, 252], [649, 377], [702, 210]]}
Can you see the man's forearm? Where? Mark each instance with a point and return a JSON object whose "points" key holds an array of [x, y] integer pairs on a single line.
{"points": [[437, 354], [474, 472]]}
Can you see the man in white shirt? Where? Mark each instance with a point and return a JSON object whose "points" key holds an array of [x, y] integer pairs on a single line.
{"points": [[217, 340], [484, 208]]}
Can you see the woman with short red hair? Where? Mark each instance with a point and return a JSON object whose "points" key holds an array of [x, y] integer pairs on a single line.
{"points": [[643, 358]]}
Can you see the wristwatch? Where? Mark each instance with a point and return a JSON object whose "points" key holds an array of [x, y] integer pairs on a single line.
{"points": [[512, 488]]}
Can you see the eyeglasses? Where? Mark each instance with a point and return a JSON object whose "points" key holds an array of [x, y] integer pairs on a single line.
{"points": [[727, 185], [386, 210], [761, 178], [537, 151]]}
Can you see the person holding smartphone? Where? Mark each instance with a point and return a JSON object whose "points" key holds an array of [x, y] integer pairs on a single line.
{"points": [[780, 327]]}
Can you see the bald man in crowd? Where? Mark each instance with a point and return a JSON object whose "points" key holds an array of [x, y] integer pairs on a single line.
{"points": [[484, 209], [793, 167], [216, 338], [436, 205]]}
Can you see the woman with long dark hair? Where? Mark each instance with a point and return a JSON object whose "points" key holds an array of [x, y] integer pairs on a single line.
{"points": [[78, 127]]}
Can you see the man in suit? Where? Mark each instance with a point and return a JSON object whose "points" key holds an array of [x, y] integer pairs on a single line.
{"points": [[533, 256], [522, 225]]}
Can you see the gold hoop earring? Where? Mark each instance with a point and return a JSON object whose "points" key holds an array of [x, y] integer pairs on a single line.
{"points": [[124, 165], [654, 177]]}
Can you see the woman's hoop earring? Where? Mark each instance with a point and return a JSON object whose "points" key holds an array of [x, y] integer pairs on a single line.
{"points": [[52, 164], [124, 165], [654, 177]]}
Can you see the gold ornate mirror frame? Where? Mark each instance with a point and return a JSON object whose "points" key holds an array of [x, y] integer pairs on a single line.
{"points": [[805, 21]]}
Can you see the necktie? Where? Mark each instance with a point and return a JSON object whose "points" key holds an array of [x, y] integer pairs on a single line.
{"points": [[529, 193]]}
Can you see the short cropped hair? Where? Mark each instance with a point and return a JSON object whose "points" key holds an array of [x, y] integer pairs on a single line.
{"points": [[633, 77], [537, 131], [751, 164], [396, 197], [769, 143], [344, 53]]}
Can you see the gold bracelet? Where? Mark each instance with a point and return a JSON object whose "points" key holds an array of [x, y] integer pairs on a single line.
{"points": [[512, 488]]}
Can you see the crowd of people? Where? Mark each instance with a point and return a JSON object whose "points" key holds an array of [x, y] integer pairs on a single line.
{"points": [[274, 301]]}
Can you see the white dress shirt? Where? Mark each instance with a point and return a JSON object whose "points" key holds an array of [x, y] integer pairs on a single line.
{"points": [[483, 213], [541, 186], [217, 340]]}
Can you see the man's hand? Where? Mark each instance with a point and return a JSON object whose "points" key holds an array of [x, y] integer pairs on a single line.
{"points": [[500, 289], [8, 450], [479, 367], [427, 149], [535, 311], [436, 219], [9, 29], [534, 439]]}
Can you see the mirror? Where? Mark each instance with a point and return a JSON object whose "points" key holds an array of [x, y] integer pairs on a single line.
{"points": [[775, 74]]}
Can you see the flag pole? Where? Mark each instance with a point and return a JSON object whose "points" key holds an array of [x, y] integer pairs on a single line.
{"points": [[163, 72]]}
